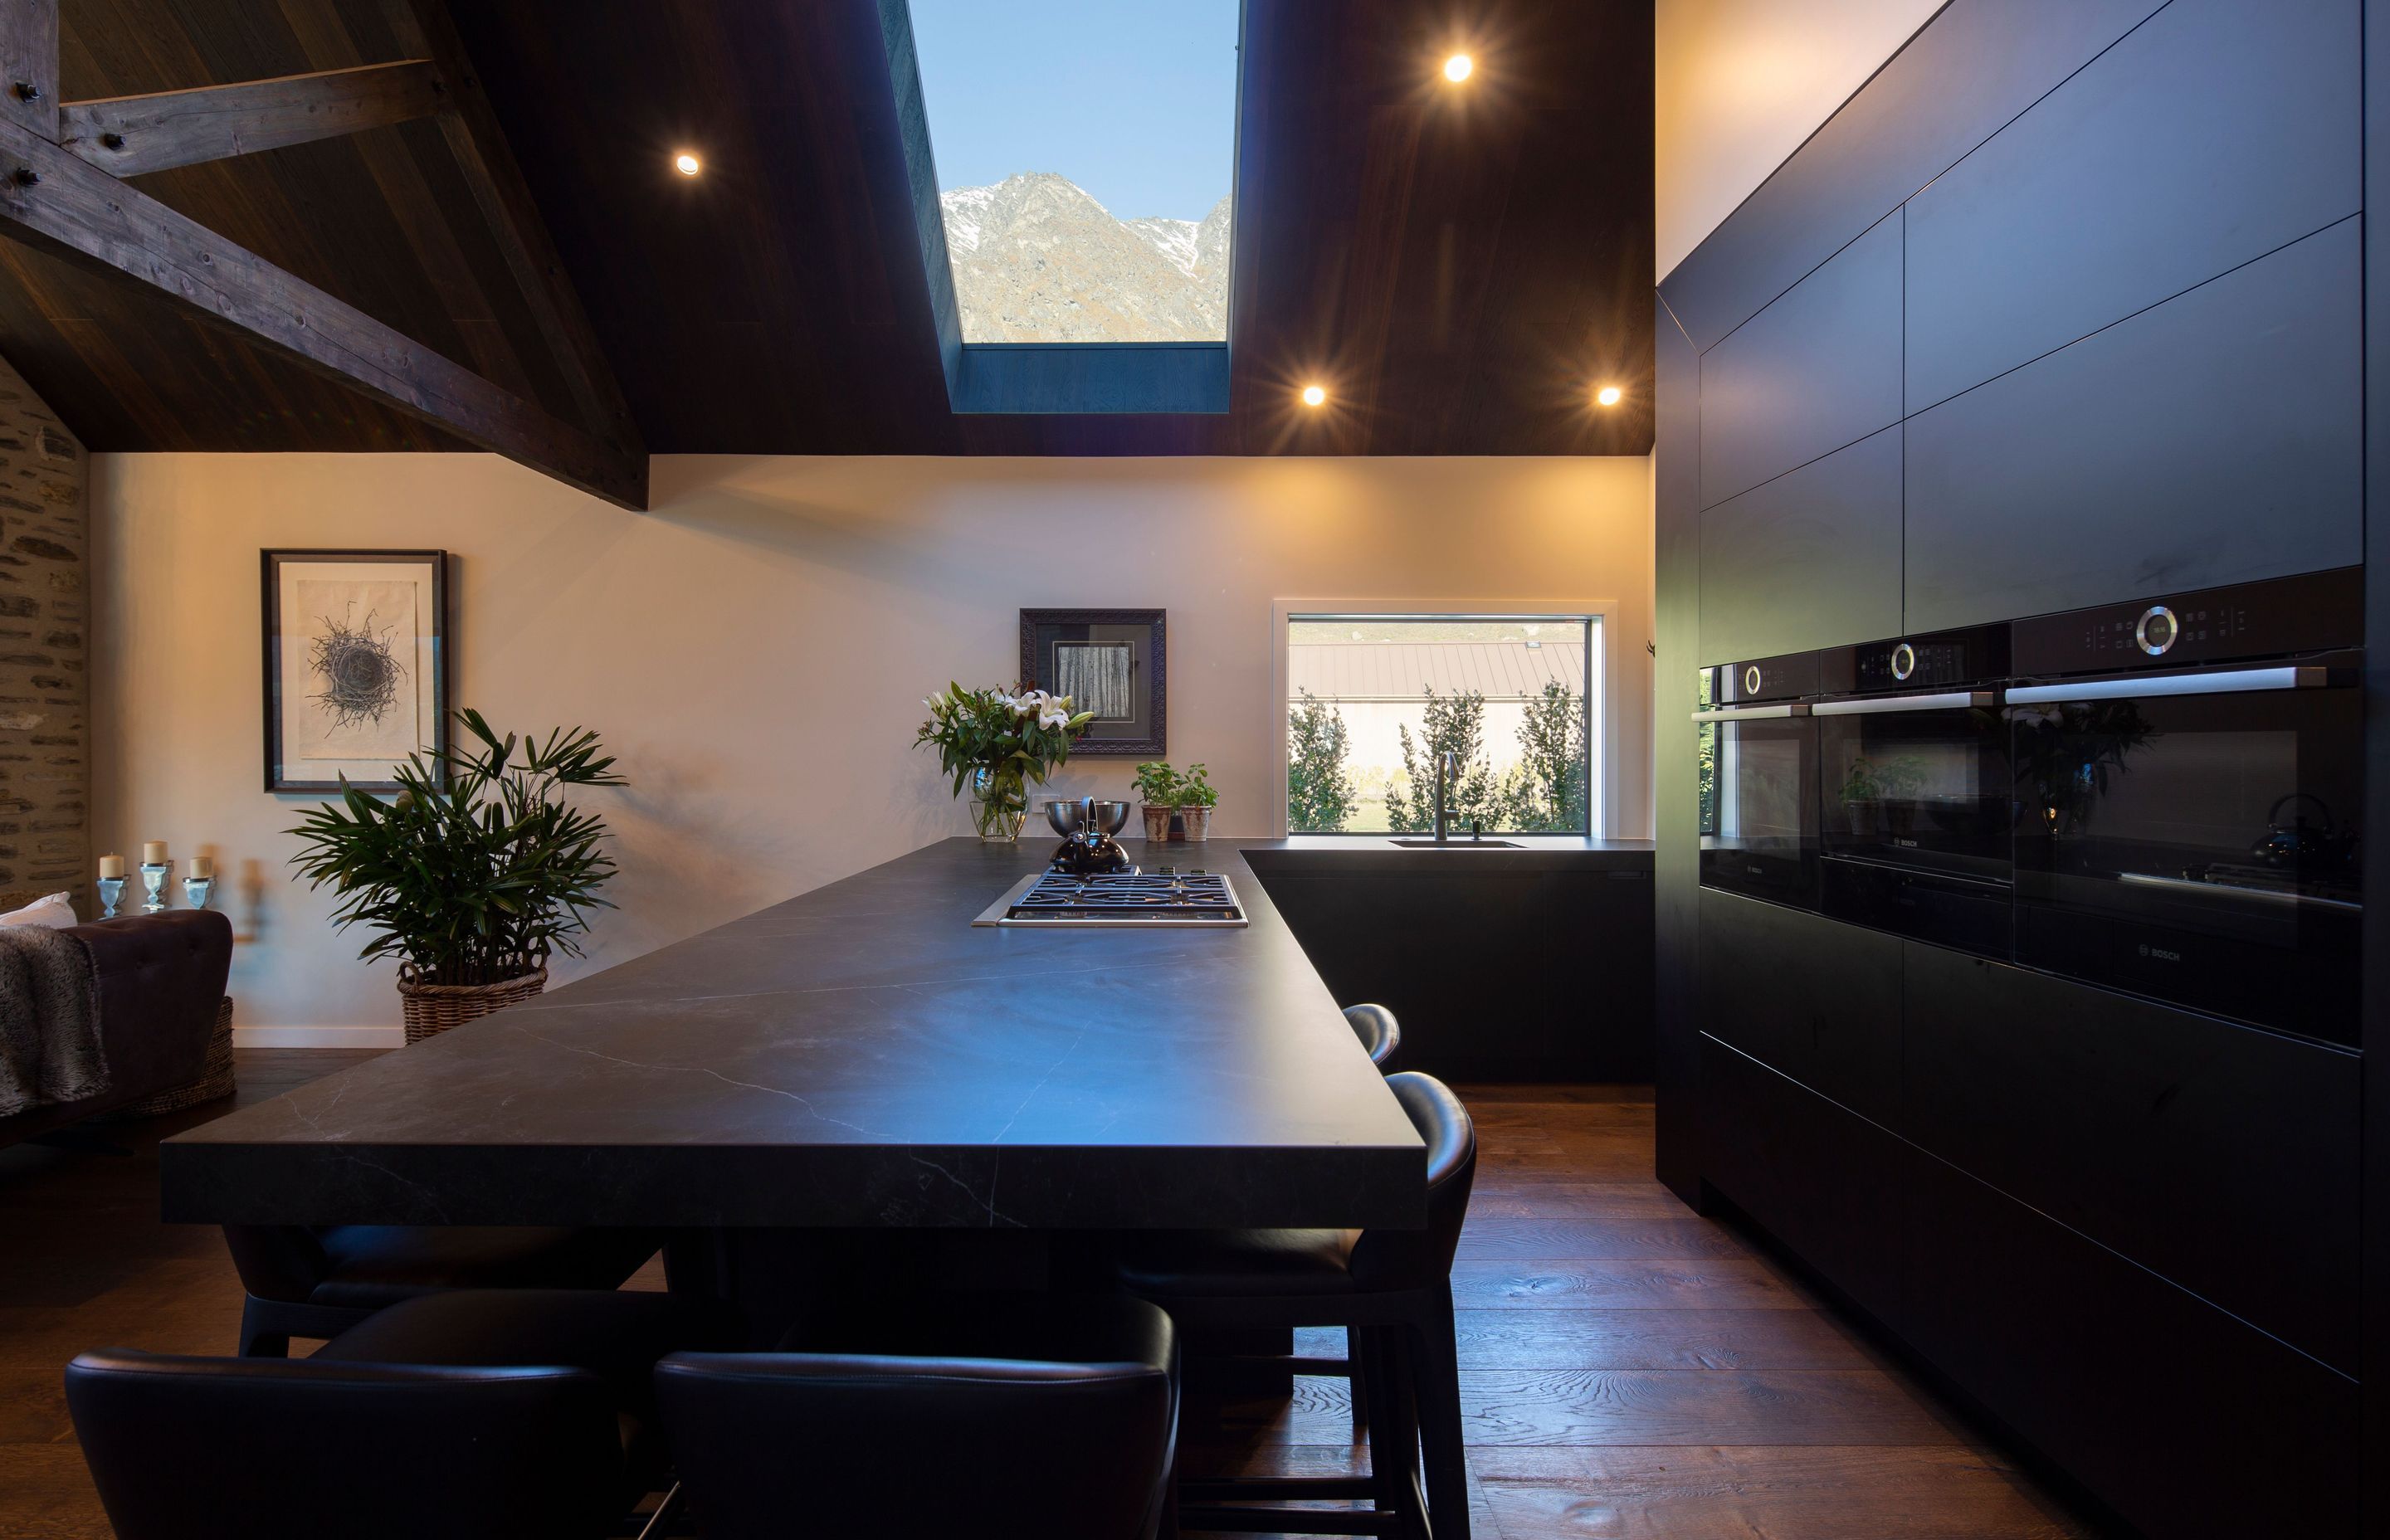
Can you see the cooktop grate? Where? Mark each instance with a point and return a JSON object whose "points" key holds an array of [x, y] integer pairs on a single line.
{"points": [[1162, 897]]}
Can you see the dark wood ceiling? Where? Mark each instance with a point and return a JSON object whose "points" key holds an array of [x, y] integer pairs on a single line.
{"points": [[1458, 266]]}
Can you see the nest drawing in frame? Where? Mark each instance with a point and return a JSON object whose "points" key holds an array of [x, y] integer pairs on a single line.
{"points": [[356, 665], [1107, 662]]}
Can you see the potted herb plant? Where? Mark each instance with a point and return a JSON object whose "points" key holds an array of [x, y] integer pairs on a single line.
{"points": [[1157, 784], [474, 873], [994, 742], [1177, 806]]}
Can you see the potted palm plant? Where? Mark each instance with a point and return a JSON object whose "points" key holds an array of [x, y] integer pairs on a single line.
{"points": [[473, 874]]}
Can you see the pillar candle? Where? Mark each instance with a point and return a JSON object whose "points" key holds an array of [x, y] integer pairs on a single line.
{"points": [[201, 867], [111, 865], [153, 853]]}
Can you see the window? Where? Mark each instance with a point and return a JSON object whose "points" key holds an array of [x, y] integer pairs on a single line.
{"points": [[1073, 162], [1372, 702]]}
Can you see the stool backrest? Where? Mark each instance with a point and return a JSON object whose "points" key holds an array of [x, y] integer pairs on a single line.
{"points": [[278, 1449], [1411, 1259], [1380, 1034], [773, 1444], [277, 1262]]}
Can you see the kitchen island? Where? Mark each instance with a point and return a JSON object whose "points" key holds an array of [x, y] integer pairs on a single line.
{"points": [[860, 1057]]}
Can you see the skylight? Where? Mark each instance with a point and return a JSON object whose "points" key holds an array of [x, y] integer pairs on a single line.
{"points": [[1084, 152]]}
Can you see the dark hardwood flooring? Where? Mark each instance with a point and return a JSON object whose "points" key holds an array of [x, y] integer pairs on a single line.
{"points": [[1630, 1369]]}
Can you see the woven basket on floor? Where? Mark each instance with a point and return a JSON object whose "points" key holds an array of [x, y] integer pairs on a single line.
{"points": [[431, 1010], [214, 1083]]}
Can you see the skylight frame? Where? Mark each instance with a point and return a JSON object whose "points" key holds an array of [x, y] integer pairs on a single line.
{"points": [[1054, 378]]}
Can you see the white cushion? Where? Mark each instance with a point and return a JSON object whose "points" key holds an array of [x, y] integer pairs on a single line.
{"points": [[54, 910]]}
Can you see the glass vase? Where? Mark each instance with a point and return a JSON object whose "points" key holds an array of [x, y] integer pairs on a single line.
{"points": [[999, 805]]}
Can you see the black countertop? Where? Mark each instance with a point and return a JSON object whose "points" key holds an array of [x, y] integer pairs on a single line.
{"points": [[861, 1056], [1378, 854]]}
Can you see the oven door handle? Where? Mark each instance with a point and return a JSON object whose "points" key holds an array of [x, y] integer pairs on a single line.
{"points": [[1949, 700], [1753, 714], [2215, 682]]}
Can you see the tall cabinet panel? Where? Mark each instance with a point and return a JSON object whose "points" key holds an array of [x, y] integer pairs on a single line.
{"points": [[2212, 439], [1809, 560], [2218, 131], [1816, 370]]}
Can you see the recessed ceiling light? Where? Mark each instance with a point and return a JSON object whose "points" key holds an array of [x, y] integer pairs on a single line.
{"points": [[688, 164], [1457, 67], [1609, 395], [1314, 395]]}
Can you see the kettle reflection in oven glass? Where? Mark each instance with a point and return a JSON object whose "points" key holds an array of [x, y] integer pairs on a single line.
{"points": [[2302, 845]]}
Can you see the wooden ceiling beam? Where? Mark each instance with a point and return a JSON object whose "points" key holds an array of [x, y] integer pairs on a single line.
{"points": [[127, 136], [29, 65], [57, 204], [479, 142]]}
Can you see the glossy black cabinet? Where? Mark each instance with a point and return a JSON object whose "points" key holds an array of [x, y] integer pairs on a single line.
{"points": [[2218, 131], [1808, 561], [1829, 1183], [1978, 65], [2184, 1419], [2221, 1157], [2211, 440], [1816, 370], [1812, 997]]}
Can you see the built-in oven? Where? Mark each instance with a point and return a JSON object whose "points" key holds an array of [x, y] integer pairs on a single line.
{"points": [[2188, 784], [1914, 787], [1758, 778]]}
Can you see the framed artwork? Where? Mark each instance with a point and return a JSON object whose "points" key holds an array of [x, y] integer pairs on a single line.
{"points": [[1107, 662], [356, 665]]}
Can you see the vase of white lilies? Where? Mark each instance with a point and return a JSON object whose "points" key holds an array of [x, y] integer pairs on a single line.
{"points": [[994, 742]]}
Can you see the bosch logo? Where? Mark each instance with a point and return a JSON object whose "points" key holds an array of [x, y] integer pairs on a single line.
{"points": [[2159, 953]]}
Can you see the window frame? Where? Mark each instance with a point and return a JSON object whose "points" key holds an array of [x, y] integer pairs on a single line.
{"points": [[1601, 738]]}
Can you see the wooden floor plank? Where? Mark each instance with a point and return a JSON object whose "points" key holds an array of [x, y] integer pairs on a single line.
{"points": [[1586, 1239], [1782, 1494], [1727, 1284], [1657, 1339]]}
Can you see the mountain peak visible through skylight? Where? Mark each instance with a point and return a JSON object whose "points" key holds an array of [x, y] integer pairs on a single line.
{"points": [[1084, 150]]}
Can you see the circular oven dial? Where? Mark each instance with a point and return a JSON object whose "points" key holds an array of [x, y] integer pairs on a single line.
{"points": [[2157, 630], [1751, 680], [1904, 660]]}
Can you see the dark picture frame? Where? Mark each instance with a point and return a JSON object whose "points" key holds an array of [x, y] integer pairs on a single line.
{"points": [[373, 651], [1120, 667]]}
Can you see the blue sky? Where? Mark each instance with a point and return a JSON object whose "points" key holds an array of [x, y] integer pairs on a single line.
{"points": [[1135, 100]]}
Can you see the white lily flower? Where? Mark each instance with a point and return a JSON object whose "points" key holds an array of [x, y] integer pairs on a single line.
{"points": [[1053, 719]]}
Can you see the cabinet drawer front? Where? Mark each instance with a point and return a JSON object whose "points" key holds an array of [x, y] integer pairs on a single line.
{"points": [[2218, 1156], [2218, 131], [1818, 369], [1808, 561], [2212, 439], [1814, 999]]}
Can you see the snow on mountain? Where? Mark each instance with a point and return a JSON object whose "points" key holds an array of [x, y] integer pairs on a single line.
{"points": [[1038, 260]]}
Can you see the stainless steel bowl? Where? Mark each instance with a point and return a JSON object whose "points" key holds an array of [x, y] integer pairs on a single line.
{"points": [[1069, 817]]}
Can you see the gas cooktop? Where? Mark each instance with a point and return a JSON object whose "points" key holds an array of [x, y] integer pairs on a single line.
{"points": [[1165, 896]]}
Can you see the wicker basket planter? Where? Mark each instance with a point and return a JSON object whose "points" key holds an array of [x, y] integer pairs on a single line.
{"points": [[431, 1010], [215, 1084]]}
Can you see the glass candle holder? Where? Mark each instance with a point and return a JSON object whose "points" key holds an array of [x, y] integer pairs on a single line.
{"points": [[197, 888], [112, 893], [153, 883]]}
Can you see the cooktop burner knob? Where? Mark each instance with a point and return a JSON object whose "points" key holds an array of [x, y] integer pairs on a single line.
{"points": [[2157, 630]]}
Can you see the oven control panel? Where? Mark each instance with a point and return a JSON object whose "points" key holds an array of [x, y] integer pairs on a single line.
{"points": [[2314, 613], [1782, 678], [1936, 661]]}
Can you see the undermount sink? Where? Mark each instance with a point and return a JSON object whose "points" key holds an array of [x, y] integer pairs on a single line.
{"points": [[1459, 844]]}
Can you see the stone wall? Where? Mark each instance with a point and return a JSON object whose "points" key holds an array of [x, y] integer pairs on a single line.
{"points": [[44, 684]]}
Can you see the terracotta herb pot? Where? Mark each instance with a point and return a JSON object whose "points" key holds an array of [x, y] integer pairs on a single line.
{"points": [[1157, 824], [1198, 822]]}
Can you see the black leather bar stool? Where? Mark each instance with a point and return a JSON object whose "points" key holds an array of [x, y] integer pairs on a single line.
{"points": [[1378, 1030], [999, 1417], [485, 1415], [1391, 1290], [316, 1281]]}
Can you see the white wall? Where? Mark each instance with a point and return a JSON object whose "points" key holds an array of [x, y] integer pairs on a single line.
{"points": [[755, 648], [1738, 84]]}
